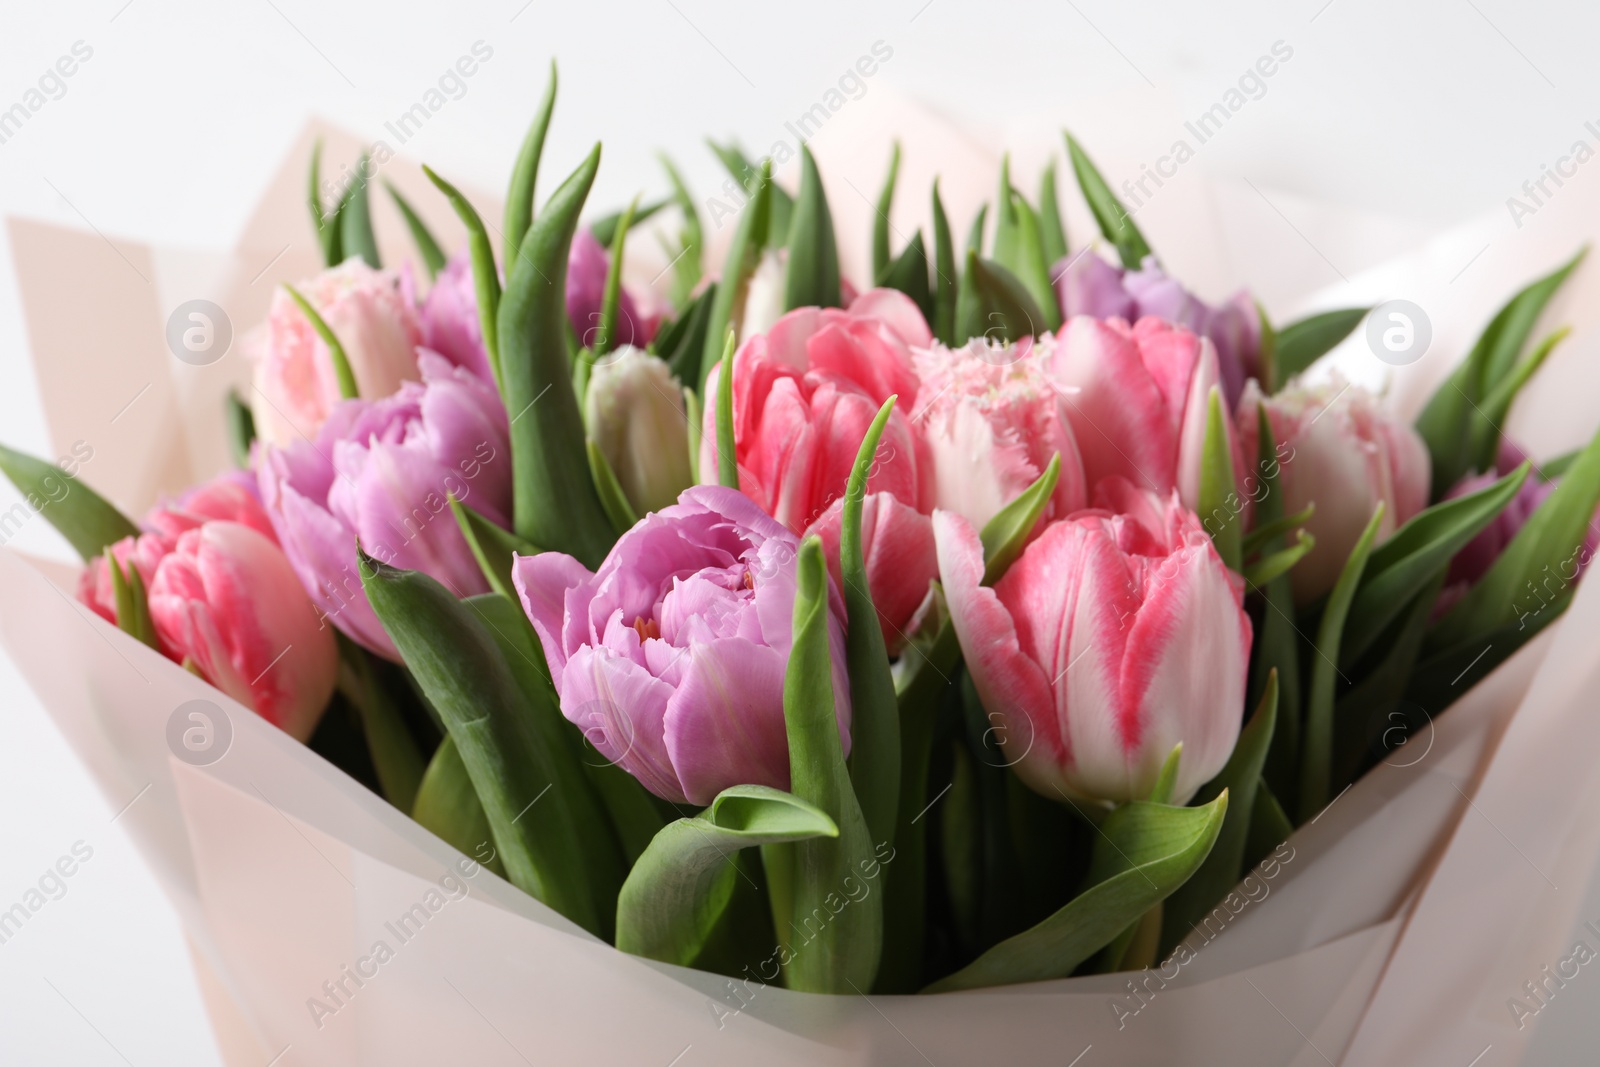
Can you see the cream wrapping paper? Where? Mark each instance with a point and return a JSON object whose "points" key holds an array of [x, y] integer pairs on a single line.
{"points": [[287, 874]]}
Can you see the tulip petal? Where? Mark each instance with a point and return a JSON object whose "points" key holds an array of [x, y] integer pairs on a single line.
{"points": [[724, 725], [621, 709]]}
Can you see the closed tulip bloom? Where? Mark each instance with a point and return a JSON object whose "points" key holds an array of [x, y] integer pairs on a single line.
{"points": [[671, 657], [587, 267], [764, 295], [804, 394], [375, 321], [634, 411], [1088, 285], [1117, 634], [227, 601], [383, 471], [897, 545], [1138, 398], [1340, 450], [993, 419]]}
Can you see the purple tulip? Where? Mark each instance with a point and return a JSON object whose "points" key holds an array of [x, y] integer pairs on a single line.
{"points": [[1088, 285], [382, 471], [450, 323], [587, 267], [671, 657]]}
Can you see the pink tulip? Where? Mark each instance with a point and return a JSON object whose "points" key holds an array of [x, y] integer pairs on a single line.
{"points": [[805, 393], [227, 601], [993, 418], [1138, 398], [671, 656], [296, 387], [1342, 452], [1116, 635], [897, 543]]}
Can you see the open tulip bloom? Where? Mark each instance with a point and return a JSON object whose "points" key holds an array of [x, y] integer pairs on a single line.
{"points": [[982, 621]]}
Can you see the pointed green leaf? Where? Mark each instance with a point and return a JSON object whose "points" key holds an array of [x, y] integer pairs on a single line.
{"points": [[1264, 532], [944, 269], [1005, 220], [433, 256], [612, 498], [1006, 535], [611, 299], [751, 177], [341, 362], [355, 220], [975, 232], [995, 304], [909, 274], [1408, 560], [1302, 343], [843, 955], [1317, 754], [554, 498], [1273, 564], [682, 884], [604, 228], [85, 518], [133, 606], [880, 219], [485, 275], [875, 723], [1144, 853], [1377, 696], [1116, 225], [1167, 778], [744, 253], [544, 819], [389, 741], [1238, 778], [448, 807], [727, 453], [1051, 229], [813, 269], [321, 224], [491, 546], [1277, 644], [1027, 261], [525, 177], [1219, 506], [1269, 827], [241, 429], [1492, 412], [687, 259]]}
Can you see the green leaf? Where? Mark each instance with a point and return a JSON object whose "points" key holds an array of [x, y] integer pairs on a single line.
{"points": [[491, 546], [325, 229], [1446, 422], [1219, 506], [133, 606], [389, 741], [1316, 757], [1025, 258], [1302, 343], [752, 177], [341, 363], [82, 516], [485, 275], [694, 416], [1551, 469], [1265, 532], [1007, 533], [975, 232], [611, 299], [612, 498], [604, 228], [1145, 852], [1269, 827], [1492, 412], [744, 253], [241, 423], [1376, 697], [944, 267], [1273, 564], [448, 807], [355, 220], [1116, 225], [1238, 778], [682, 343], [1423, 547], [994, 303], [682, 884], [842, 955], [1051, 230], [880, 220], [524, 178], [433, 256], [1538, 568], [875, 723], [516, 755], [687, 265], [909, 274], [554, 499], [1277, 644], [727, 453], [1167, 778], [1005, 220], [813, 269]]}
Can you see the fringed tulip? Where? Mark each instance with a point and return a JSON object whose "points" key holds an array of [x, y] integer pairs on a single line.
{"points": [[1116, 635], [382, 472], [671, 657], [993, 419]]}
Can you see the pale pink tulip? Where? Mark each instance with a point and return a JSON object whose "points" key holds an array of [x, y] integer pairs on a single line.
{"points": [[897, 544], [1116, 635], [993, 418]]}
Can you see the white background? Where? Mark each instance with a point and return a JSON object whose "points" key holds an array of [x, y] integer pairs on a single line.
{"points": [[1423, 111]]}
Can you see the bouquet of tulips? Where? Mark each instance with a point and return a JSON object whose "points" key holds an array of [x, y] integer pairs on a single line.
{"points": [[980, 622]]}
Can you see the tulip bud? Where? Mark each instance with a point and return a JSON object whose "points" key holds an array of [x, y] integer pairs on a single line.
{"points": [[993, 419], [1338, 449], [587, 267], [227, 601], [634, 411], [671, 657], [296, 386], [1117, 634], [764, 295], [897, 543]]}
